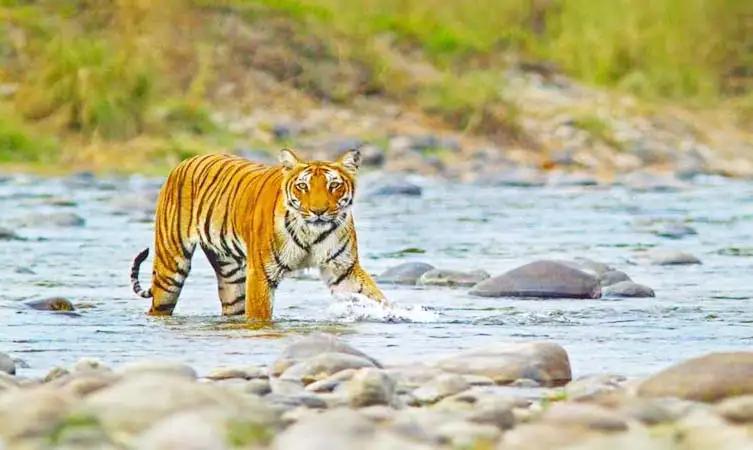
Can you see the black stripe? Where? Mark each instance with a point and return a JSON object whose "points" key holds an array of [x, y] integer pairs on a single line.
{"points": [[279, 263], [324, 234], [164, 307], [238, 281], [235, 300], [160, 286], [344, 275], [292, 233], [338, 252]]}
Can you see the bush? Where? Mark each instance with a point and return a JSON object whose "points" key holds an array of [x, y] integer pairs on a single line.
{"points": [[92, 86]]}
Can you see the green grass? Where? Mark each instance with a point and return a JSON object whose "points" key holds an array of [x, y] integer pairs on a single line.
{"points": [[21, 144]]}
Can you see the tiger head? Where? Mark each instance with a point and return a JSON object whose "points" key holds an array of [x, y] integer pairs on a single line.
{"points": [[320, 192]]}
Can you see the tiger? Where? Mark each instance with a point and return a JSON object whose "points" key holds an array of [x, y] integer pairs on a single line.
{"points": [[255, 223]]}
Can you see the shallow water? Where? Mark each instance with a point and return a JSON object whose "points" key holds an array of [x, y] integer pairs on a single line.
{"points": [[697, 309]]}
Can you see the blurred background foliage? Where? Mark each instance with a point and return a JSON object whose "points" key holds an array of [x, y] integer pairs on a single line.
{"points": [[79, 76]]}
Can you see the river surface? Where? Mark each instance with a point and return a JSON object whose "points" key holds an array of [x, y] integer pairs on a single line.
{"points": [[697, 309]]}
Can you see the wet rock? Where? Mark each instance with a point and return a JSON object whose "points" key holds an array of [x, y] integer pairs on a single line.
{"points": [[654, 182], [392, 186], [157, 367], [331, 382], [709, 378], [135, 403], [443, 277], [284, 131], [586, 415], [6, 234], [545, 362], [51, 304], [405, 273], [370, 387], [591, 387], [258, 386], [372, 156], [142, 203], [737, 409], [628, 289], [323, 365], [544, 279], [55, 373], [565, 179], [313, 345], [463, 434], [665, 257], [613, 277], [52, 220], [338, 429], [519, 177], [655, 411], [246, 373], [185, 431], [87, 365], [24, 271], [675, 231], [34, 412], [440, 387], [7, 364]]}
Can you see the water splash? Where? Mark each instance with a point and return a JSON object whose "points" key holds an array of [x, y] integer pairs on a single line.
{"points": [[359, 308]]}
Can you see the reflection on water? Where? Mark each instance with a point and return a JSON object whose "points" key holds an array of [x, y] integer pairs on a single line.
{"points": [[697, 308]]}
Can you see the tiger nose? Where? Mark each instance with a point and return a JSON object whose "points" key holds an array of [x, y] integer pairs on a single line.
{"points": [[319, 211]]}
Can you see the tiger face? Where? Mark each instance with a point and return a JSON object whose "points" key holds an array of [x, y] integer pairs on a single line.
{"points": [[320, 192]]}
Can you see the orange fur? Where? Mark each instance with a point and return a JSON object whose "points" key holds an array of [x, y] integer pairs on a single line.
{"points": [[256, 224]]}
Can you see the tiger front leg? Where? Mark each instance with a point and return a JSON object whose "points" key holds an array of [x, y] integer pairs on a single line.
{"points": [[352, 279], [259, 294]]}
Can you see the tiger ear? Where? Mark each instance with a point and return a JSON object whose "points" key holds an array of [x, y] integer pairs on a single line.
{"points": [[288, 159], [351, 160]]}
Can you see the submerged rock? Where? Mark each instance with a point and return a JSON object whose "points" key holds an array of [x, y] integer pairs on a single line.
{"points": [[7, 364], [444, 277], [6, 234], [405, 273], [708, 378], [628, 289], [613, 277], [545, 362], [665, 257], [392, 185], [675, 231], [51, 304], [52, 220], [545, 279]]}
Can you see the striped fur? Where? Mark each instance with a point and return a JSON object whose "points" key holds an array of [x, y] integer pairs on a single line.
{"points": [[256, 224]]}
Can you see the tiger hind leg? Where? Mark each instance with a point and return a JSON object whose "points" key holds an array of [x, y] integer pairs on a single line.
{"points": [[169, 274], [231, 282]]}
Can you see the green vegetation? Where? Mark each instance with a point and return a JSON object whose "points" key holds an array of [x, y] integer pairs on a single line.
{"points": [[98, 72]]}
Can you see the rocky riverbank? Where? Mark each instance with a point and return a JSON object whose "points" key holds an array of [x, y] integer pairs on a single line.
{"points": [[321, 393]]}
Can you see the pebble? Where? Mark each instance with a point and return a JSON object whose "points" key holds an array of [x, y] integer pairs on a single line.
{"points": [[541, 279], [737, 409], [323, 365], [312, 345], [405, 273], [582, 414], [158, 367], [628, 289]]}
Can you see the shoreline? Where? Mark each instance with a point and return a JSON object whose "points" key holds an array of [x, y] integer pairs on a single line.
{"points": [[320, 392]]}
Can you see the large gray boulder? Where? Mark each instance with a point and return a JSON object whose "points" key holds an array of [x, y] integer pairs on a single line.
{"points": [[544, 279]]}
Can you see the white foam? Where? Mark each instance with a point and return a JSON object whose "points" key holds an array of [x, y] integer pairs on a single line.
{"points": [[359, 308]]}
